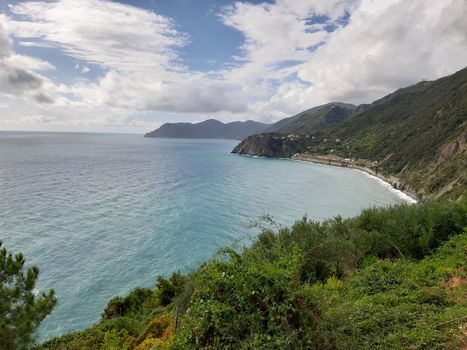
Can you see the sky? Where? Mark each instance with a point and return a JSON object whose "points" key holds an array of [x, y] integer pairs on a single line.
{"points": [[130, 66]]}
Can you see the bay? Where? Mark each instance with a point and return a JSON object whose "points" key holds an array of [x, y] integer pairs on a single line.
{"points": [[101, 214]]}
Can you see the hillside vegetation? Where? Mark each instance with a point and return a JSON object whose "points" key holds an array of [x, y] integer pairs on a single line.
{"points": [[390, 278], [209, 129], [418, 134], [314, 119]]}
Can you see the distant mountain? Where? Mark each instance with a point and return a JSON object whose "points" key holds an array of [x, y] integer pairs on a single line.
{"points": [[209, 129], [314, 119], [417, 134]]}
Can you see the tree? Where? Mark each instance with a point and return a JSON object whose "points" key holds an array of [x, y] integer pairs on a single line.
{"points": [[21, 311]]}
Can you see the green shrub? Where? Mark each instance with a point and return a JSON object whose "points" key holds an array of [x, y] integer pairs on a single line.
{"points": [[390, 278], [169, 288], [133, 303]]}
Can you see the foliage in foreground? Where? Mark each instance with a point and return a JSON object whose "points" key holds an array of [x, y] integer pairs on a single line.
{"points": [[390, 278], [20, 310]]}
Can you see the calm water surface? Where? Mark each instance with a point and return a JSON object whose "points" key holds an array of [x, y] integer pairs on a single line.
{"points": [[101, 214]]}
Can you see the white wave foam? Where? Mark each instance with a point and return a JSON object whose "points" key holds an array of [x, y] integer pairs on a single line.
{"points": [[404, 196]]}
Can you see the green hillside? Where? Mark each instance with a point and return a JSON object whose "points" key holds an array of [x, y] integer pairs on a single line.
{"points": [[314, 119], [390, 278], [418, 134], [209, 129]]}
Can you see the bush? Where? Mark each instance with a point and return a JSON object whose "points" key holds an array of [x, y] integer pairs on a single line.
{"points": [[169, 288], [133, 303], [390, 278], [323, 285]]}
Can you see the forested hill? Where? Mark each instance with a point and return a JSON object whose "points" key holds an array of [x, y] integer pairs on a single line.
{"points": [[314, 119], [417, 133], [209, 129]]}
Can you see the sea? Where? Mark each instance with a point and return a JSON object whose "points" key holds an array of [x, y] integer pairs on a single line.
{"points": [[101, 214]]}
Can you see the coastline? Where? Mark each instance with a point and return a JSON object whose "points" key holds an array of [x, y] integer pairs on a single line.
{"points": [[405, 195], [390, 182]]}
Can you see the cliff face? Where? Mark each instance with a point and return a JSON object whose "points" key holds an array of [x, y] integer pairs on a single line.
{"points": [[288, 136], [269, 145]]}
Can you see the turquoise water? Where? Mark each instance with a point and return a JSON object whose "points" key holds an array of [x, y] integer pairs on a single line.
{"points": [[102, 214]]}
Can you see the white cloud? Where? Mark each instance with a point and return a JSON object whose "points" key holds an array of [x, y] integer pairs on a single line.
{"points": [[276, 35], [36, 119], [136, 48], [16, 72], [82, 68], [278, 38], [28, 63], [187, 94], [289, 60], [110, 34], [386, 45]]}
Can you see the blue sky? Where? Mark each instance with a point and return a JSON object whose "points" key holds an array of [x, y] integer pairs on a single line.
{"points": [[211, 43], [129, 66]]}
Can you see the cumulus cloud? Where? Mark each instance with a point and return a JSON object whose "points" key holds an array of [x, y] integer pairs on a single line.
{"points": [[4, 42], [136, 48], [28, 63], [386, 44], [14, 80], [281, 35], [193, 93], [389, 44], [295, 55], [110, 34]]}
